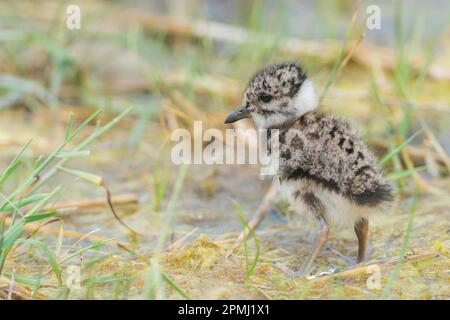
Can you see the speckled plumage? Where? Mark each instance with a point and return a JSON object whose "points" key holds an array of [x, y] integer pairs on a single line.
{"points": [[324, 166], [322, 155], [326, 150], [283, 83], [315, 147]]}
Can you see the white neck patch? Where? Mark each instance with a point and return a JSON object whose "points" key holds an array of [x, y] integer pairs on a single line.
{"points": [[305, 100]]}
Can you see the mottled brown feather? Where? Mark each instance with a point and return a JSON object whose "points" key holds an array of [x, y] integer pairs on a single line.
{"points": [[325, 149]]}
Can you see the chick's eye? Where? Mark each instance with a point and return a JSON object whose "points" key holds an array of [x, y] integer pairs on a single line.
{"points": [[265, 98]]}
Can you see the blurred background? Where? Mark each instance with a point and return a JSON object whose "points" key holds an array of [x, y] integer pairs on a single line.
{"points": [[174, 62]]}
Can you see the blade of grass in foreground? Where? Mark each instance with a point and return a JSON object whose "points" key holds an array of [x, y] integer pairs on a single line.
{"points": [[13, 234], [31, 178], [399, 148], [14, 164], [46, 251], [408, 232], [15, 231], [95, 245], [98, 181], [154, 278], [155, 275], [24, 202], [404, 173], [81, 147], [170, 207], [250, 266]]}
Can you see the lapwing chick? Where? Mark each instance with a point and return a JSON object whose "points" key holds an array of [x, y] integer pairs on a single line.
{"points": [[325, 170]]}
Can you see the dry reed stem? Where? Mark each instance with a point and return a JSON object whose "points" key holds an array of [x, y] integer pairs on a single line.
{"points": [[20, 292], [119, 200], [55, 231], [363, 270]]}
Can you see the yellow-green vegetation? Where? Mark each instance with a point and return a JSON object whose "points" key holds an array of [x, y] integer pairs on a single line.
{"points": [[85, 123]]}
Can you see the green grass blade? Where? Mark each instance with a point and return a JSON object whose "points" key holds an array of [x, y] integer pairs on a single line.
{"points": [[173, 285], [48, 160], [404, 173], [8, 239], [250, 265], [46, 251], [69, 126], [397, 149], [24, 202], [14, 164], [404, 249], [81, 147], [92, 246], [24, 280], [92, 178], [39, 216], [73, 154], [42, 202]]}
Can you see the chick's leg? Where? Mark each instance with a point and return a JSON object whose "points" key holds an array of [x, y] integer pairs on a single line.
{"points": [[318, 210], [362, 232]]}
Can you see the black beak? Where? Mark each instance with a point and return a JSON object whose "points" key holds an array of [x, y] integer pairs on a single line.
{"points": [[238, 114]]}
